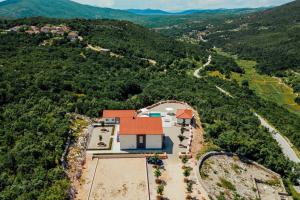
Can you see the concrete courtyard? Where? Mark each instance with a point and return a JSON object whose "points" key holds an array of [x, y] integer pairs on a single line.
{"points": [[115, 178]]}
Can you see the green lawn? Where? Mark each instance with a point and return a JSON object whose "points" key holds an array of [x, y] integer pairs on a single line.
{"points": [[267, 87]]}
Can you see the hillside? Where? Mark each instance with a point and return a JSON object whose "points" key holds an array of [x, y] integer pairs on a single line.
{"points": [[58, 9], [69, 9], [44, 84], [189, 12], [271, 37], [148, 12]]}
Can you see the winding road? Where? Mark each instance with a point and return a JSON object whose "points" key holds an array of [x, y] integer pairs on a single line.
{"points": [[196, 72], [283, 143]]}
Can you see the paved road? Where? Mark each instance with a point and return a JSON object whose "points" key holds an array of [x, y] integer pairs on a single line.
{"points": [[201, 38], [283, 143], [196, 72]]}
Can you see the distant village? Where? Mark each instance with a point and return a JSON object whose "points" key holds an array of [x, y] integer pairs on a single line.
{"points": [[48, 28]]}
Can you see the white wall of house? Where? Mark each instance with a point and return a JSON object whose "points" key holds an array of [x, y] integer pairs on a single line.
{"points": [[180, 121], [154, 141], [127, 141]]}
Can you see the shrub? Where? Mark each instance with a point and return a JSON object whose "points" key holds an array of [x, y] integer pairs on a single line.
{"points": [[189, 187], [187, 172], [160, 189], [226, 184], [184, 159], [157, 173]]}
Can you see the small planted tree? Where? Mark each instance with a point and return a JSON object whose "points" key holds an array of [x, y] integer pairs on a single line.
{"points": [[189, 187], [184, 159], [157, 174], [186, 174], [160, 190], [182, 130], [100, 138], [181, 138]]}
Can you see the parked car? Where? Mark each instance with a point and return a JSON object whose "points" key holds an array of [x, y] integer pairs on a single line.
{"points": [[155, 161]]}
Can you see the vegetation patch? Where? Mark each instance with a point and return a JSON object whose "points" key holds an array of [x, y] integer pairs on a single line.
{"points": [[226, 184]]}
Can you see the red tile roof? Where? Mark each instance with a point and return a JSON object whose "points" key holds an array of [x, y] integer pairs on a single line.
{"points": [[119, 113], [184, 114], [141, 126]]}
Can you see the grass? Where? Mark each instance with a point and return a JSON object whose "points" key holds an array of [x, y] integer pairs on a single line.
{"points": [[216, 74], [294, 193], [273, 182], [77, 126], [207, 147], [226, 184], [236, 168], [267, 87]]}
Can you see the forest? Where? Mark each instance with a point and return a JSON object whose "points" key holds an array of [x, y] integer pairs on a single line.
{"points": [[40, 85], [270, 37]]}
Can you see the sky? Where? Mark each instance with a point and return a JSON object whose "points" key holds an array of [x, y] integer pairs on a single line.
{"points": [[181, 4]]}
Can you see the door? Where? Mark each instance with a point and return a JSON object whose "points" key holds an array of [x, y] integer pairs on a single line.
{"points": [[141, 141]]}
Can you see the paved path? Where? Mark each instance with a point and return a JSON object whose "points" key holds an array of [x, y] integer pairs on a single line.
{"points": [[203, 40], [224, 91], [283, 143], [196, 72]]}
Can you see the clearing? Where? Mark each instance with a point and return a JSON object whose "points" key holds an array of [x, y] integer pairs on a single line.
{"points": [[227, 177], [117, 178]]}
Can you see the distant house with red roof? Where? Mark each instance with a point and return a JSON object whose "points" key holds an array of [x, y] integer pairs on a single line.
{"points": [[184, 116], [115, 116], [141, 133]]}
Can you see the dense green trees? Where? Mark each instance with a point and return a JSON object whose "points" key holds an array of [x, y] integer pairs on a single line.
{"points": [[41, 84], [224, 65], [271, 37]]}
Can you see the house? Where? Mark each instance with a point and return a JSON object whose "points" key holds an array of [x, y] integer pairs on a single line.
{"points": [[141, 133], [114, 116], [184, 116], [73, 36], [46, 29]]}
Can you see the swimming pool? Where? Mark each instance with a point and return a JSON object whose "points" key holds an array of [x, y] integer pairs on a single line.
{"points": [[154, 115]]}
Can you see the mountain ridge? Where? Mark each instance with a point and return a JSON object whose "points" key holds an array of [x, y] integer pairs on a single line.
{"points": [[71, 9], [58, 9], [191, 11]]}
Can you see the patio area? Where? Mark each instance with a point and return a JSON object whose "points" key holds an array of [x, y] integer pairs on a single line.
{"points": [[105, 134]]}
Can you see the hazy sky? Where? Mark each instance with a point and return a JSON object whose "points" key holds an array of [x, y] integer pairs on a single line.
{"points": [[181, 4]]}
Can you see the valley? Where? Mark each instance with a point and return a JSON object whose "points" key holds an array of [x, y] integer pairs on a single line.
{"points": [[268, 87]]}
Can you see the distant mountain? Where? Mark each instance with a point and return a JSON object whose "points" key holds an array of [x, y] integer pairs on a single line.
{"points": [[195, 11], [148, 12], [221, 10], [58, 9]]}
